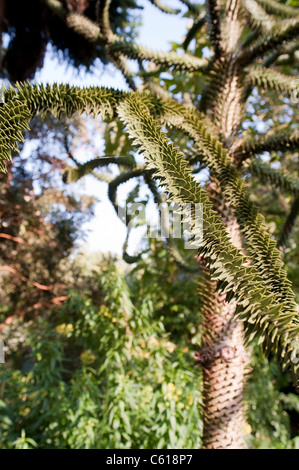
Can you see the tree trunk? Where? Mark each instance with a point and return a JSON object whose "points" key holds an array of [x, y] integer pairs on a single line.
{"points": [[223, 356]]}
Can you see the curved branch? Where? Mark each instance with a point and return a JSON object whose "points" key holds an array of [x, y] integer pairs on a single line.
{"points": [[120, 179], [265, 256], [258, 17]]}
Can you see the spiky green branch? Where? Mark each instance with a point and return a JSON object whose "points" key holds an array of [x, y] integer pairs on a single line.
{"points": [[120, 179], [164, 8], [277, 178], [263, 311], [280, 141], [260, 247], [275, 39], [271, 6], [213, 19], [259, 19], [196, 26], [269, 79], [108, 36], [169, 60]]}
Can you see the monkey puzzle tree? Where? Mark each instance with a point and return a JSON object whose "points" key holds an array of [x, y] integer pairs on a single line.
{"points": [[244, 290]]}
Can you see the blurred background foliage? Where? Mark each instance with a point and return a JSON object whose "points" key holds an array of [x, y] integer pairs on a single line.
{"points": [[113, 367], [103, 375], [33, 25]]}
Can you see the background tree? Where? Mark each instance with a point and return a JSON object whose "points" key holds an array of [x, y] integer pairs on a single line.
{"points": [[40, 222]]}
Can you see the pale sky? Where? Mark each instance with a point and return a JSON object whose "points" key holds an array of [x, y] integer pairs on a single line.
{"points": [[107, 233]]}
